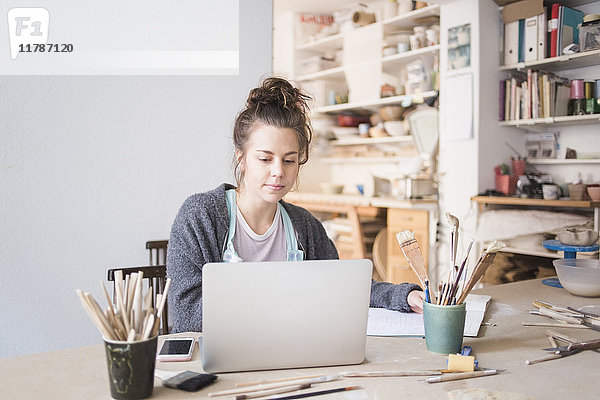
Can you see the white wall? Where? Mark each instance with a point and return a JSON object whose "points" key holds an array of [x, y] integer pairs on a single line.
{"points": [[91, 167]]}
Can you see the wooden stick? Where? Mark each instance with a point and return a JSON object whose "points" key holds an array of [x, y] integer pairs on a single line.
{"points": [[461, 375], [131, 336], [558, 316], [131, 290], [148, 327], [262, 393], [126, 293], [277, 380], [556, 324], [95, 319], [561, 336], [368, 374], [547, 357], [94, 305], [106, 295], [159, 311], [137, 303]]}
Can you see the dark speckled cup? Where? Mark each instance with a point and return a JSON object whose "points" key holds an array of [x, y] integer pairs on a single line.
{"points": [[131, 368]]}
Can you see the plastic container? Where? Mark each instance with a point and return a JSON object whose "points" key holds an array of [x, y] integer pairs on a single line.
{"points": [[580, 277]]}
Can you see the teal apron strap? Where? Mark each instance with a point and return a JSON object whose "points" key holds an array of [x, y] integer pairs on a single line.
{"points": [[293, 254], [230, 255]]}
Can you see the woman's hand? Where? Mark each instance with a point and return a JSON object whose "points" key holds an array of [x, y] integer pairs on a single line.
{"points": [[415, 301]]}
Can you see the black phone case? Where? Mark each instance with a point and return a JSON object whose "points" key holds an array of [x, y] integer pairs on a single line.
{"points": [[190, 381]]}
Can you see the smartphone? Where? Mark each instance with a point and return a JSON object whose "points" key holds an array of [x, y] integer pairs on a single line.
{"points": [[176, 349]]}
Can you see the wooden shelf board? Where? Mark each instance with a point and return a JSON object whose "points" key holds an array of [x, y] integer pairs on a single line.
{"points": [[363, 160], [541, 253], [359, 140], [326, 43], [399, 59], [336, 73], [416, 98], [409, 19], [534, 202], [561, 63], [543, 122], [565, 161]]}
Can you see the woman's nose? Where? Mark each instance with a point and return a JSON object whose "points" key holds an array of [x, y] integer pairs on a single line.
{"points": [[277, 169]]}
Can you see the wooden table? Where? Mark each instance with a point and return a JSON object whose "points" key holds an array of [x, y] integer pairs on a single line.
{"points": [[80, 373]]}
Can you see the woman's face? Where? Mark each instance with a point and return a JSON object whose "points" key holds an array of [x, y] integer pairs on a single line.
{"points": [[270, 165]]}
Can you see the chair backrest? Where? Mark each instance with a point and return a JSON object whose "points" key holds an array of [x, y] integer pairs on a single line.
{"points": [[158, 251], [156, 276]]}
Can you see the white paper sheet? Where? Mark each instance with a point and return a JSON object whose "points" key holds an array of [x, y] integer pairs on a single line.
{"points": [[456, 111], [384, 322]]}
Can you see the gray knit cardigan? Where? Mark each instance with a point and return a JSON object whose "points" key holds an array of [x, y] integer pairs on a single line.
{"points": [[198, 236]]}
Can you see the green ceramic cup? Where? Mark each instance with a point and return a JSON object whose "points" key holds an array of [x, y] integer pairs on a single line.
{"points": [[444, 327], [131, 368]]}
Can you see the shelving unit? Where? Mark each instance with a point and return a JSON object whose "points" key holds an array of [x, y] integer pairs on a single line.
{"points": [[405, 100]]}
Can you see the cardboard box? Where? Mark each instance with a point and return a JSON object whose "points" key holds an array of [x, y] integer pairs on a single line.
{"points": [[521, 10]]}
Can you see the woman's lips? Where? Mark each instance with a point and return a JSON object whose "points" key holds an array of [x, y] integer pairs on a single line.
{"points": [[275, 187]]}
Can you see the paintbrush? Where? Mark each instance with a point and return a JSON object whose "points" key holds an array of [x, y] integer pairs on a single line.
{"points": [[454, 288], [485, 260], [412, 251], [453, 237]]}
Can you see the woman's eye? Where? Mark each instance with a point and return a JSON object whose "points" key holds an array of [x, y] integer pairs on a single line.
{"points": [[289, 161], [263, 159]]}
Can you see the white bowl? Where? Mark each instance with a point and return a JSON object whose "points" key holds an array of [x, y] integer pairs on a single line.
{"points": [[395, 128], [580, 277], [343, 132]]}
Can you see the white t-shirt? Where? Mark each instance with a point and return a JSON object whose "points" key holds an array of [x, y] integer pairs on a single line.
{"points": [[250, 246]]}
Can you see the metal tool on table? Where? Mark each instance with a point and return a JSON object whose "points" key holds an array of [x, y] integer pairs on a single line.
{"points": [[567, 315], [573, 347]]}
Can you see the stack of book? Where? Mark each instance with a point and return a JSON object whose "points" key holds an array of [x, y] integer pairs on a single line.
{"points": [[535, 94], [540, 36]]}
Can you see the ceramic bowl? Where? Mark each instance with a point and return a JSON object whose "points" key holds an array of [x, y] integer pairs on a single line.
{"points": [[390, 113], [594, 192], [341, 132], [578, 237], [395, 128], [580, 277]]}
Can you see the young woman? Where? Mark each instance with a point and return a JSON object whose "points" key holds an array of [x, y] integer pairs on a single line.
{"points": [[249, 222]]}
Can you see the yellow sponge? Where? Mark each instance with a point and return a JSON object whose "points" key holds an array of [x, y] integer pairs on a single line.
{"points": [[456, 362]]}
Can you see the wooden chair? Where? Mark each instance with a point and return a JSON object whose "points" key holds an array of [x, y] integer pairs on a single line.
{"points": [[158, 251], [156, 276]]}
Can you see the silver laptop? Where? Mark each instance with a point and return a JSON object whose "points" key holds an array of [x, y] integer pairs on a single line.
{"points": [[288, 314]]}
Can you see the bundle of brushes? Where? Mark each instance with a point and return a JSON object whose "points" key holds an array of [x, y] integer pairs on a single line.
{"points": [[133, 317], [456, 288]]}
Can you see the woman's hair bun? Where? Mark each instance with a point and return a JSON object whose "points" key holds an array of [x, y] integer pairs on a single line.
{"points": [[279, 92]]}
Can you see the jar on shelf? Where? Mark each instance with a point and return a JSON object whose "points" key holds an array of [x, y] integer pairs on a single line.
{"points": [[400, 39], [418, 38], [432, 35]]}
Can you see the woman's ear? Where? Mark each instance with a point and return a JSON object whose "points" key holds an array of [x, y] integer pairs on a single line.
{"points": [[239, 157]]}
